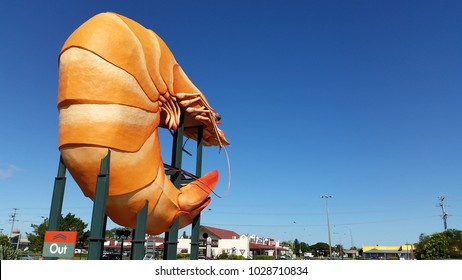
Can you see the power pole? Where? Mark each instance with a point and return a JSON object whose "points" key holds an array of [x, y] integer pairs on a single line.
{"points": [[13, 219], [445, 215], [326, 197]]}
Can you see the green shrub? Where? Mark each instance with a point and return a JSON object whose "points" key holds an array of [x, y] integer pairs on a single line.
{"points": [[223, 256], [264, 257], [8, 253], [182, 256], [80, 256], [235, 257]]}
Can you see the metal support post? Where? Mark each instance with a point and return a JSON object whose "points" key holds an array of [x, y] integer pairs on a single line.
{"points": [[171, 237], [197, 220], [57, 200], [99, 218], [138, 235], [58, 197]]}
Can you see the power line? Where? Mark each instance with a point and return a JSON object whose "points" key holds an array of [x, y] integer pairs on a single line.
{"points": [[298, 225]]}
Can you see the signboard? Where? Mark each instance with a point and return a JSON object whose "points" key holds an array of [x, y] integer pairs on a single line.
{"points": [[59, 244], [203, 243], [150, 247]]}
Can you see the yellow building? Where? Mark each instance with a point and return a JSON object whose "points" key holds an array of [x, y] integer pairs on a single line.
{"points": [[401, 252]]}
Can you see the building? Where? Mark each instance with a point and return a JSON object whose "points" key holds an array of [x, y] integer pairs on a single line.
{"points": [[213, 242], [352, 254], [18, 240], [400, 252], [267, 247]]}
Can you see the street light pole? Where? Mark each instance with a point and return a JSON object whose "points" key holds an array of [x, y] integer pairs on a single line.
{"points": [[326, 197], [351, 236]]}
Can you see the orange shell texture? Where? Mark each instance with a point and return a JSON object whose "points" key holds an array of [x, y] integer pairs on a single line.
{"points": [[117, 80]]}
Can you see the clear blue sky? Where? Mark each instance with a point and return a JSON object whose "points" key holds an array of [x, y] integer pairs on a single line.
{"points": [[361, 100]]}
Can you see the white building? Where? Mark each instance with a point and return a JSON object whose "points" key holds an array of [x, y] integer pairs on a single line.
{"points": [[215, 241]]}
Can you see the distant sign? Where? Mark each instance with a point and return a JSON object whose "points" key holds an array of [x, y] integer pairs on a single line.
{"points": [[203, 243], [150, 247], [59, 244]]}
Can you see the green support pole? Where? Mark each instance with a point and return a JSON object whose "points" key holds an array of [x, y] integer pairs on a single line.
{"points": [[197, 220], [58, 197], [138, 236], [171, 237], [57, 200], [98, 220], [104, 235]]}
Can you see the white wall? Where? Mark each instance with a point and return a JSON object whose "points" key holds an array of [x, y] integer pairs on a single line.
{"points": [[184, 243], [230, 246], [234, 246]]}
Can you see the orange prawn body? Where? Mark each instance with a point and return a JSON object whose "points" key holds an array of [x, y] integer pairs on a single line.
{"points": [[118, 83]]}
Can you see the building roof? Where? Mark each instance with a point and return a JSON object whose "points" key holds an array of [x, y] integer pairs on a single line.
{"points": [[351, 251], [374, 251], [404, 247], [221, 233], [156, 239]]}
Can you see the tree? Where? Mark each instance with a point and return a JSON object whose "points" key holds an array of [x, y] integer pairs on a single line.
{"points": [[36, 238], [68, 223], [320, 249], [339, 249], [71, 223], [7, 250], [435, 246], [112, 233], [296, 247], [454, 237], [123, 233], [304, 247], [4, 240]]}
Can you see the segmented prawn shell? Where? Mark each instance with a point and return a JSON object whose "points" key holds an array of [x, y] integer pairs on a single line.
{"points": [[118, 83]]}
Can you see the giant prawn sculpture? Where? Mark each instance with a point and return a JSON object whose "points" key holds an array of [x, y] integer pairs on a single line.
{"points": [[118, 83]]}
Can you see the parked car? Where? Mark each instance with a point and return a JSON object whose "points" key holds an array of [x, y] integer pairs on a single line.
{"points": [[28, 257], [111, 256]]}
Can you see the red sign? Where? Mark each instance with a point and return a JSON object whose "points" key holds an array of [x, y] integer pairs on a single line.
{"points": [[61, 236], [59, 244]]}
